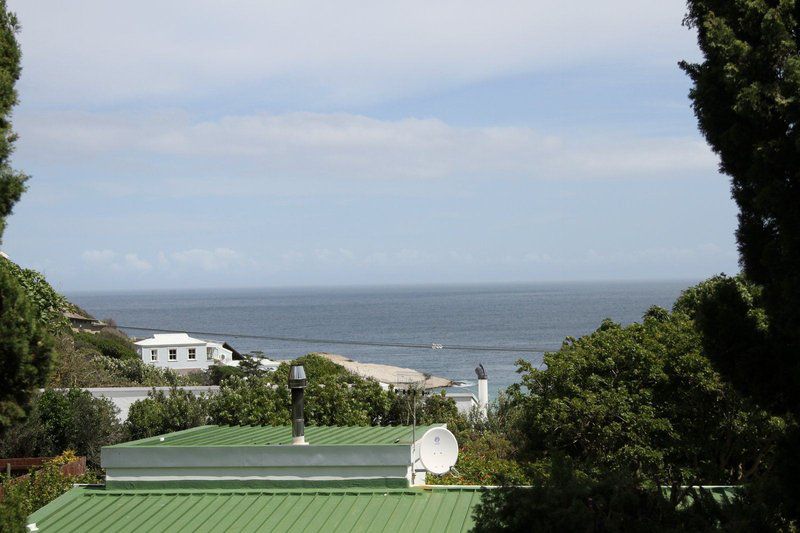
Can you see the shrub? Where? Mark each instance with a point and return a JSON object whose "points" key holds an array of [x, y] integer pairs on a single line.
{"points": [[48, 304], [484, 458], [644, 397], [64, 420], [219, 373], [562, 498], [163, 413], [107, 344], [255, 401], [23, 496], [25, 350]]}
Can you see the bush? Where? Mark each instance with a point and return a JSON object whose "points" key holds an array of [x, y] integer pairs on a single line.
{"points": [[133, 372], [64, 420], [25, 350], [562, 498], [219, 373], [484, 458], [23, 496], [48, 304], [256, 401], [644, 397], [107, 344], [163, 413], [334, 396]]}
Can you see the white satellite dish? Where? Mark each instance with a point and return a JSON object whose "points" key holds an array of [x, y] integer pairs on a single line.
{"points": [[438, 450]]}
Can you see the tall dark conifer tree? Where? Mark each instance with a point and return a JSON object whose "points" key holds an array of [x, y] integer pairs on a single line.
{"points": [[24, 346], [746, 96]]}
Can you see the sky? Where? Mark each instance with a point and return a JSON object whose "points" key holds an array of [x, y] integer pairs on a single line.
{"points": [[209, 144]]}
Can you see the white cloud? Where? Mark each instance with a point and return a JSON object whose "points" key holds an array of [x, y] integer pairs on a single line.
{"points": [[99, 256], [345, 51], [209, 260], [109, 259], [336, 146], [134, 262]]}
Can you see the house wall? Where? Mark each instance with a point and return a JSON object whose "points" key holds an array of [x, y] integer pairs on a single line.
{"points": [[269, 465], [183, 362]]}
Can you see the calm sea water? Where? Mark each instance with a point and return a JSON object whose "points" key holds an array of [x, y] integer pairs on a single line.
{"points": [[530, 315]]}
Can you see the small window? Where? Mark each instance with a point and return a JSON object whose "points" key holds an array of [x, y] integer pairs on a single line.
{"points": [[192, 354], [154, 355], [173, 354], [209, 353]]}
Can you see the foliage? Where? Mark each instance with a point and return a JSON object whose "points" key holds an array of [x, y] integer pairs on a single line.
{"points": [[23, 496], [135, 372], [216, 374], [733, 328], [161, 413], [745, 97], [334, 396], [12, 183], [255, 401], [64, 420], [644, 398], [430, 408], [107, 344], [562, 498], [25, 349], [82, 365], [48, 304], [485, 457]]}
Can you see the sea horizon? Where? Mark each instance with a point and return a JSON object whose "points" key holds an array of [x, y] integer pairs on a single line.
{"points": [[522, 320]]}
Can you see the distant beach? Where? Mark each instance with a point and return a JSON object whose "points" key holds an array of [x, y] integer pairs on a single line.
{"points": [[521, 315]]}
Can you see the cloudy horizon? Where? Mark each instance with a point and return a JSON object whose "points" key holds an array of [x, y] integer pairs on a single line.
{"points": [[195, 145]]}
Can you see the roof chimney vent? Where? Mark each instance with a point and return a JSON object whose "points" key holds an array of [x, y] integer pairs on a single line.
{"points": [[297, 382]]}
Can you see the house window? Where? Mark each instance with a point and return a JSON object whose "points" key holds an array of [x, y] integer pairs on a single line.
{"points": [[192, 354], [154, 355], [173, 354], [209, 353]]}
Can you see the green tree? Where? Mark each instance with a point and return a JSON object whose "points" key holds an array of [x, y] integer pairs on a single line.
{"points": [[12, 183], [64, 420], [562, 498], [644, 398], [25, 352], [24, 347], [161, 413], [254, 401], [746, 97]]}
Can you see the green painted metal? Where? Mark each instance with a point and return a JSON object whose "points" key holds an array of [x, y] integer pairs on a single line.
{"points": [[282, 435], [372, 483], [417, 509]]}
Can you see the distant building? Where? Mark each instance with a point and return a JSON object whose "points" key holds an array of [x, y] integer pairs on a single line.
{"points": [[79, 322], [182, 353]]}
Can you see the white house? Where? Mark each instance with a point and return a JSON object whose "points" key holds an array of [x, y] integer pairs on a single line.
{"points": [[181, 352]]}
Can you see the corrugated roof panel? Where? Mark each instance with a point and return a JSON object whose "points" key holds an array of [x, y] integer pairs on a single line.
{"points": [[282, 435], [92, 509]]}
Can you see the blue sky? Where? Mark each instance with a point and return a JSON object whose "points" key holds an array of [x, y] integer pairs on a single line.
{"points": [[202, 143]]}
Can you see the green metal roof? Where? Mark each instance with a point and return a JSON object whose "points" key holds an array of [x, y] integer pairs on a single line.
{"points": [[96, 509], [281, 435]]}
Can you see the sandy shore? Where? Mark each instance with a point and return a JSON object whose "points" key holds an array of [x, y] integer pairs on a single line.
{"points": [[393, 375]]}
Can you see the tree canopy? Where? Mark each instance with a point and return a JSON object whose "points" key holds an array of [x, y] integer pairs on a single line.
{"points": [[746, 97]]}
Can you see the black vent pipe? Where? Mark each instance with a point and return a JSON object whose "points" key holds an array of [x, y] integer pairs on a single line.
{"points": [[297, 382]]}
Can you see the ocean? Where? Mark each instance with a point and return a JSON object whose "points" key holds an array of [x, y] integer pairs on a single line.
{"points": [[520, 318]]}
